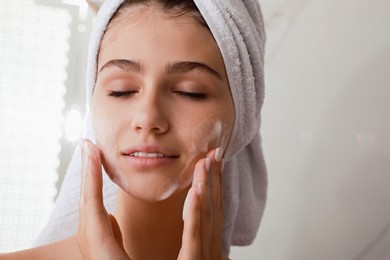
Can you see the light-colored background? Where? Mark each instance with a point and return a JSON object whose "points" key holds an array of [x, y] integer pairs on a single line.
{"points": [[326, 125], [325, 128]]}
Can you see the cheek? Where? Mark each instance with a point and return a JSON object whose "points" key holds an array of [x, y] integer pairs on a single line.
{"points": [[105, 129], [104, 124], [209, 134], [102, 128]]}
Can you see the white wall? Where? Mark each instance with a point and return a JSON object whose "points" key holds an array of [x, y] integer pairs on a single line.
{"points": [[326, 121]]}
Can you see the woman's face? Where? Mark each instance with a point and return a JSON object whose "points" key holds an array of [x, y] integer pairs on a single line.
{"points": [[160, 103]]}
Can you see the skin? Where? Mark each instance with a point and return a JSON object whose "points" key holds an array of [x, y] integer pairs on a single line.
{"points": [[156, 112], [168, 211]]}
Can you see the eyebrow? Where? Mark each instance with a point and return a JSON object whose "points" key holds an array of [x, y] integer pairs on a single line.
{"points": [[187, 66], [126, 65], [170, 68]]}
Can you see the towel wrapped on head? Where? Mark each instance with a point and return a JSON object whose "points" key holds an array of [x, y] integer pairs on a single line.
{"points": [[238, 29]]}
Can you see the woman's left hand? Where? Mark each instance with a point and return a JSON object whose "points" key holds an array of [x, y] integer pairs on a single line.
{"points": [[202, 212]]}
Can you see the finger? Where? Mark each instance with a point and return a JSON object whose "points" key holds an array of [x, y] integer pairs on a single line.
{"points": [[201, 184], [216, 194], [215, 178], [191, 248], [92, 183], [94, 223]]}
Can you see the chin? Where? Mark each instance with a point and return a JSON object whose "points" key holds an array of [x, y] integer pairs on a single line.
{"points": [[148, 186], [151, 187], [154, 196]]}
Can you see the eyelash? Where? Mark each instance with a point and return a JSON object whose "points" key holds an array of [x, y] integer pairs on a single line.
{"points": [[190, 95], [121, 93]]}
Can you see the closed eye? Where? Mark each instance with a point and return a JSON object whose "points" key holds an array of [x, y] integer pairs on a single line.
{"points": [[121, 93], [192, 95]]}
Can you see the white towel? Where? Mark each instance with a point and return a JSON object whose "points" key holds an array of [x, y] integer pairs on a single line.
{"points": [[237, 26]]}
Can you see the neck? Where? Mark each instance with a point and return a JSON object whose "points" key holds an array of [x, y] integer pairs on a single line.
{"points": [[151, 230]]}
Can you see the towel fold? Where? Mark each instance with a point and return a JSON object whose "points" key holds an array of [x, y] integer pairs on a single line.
{"points": [[238, 29]]}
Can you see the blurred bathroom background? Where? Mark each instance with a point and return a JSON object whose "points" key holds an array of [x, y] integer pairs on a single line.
{"points": [[325, 123]]}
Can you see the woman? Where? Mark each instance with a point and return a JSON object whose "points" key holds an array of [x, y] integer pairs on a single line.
{"points": [[173, 86]]}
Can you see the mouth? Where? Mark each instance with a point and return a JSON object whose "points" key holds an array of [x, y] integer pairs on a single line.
{"points": [[150, 151], [148, 157]]}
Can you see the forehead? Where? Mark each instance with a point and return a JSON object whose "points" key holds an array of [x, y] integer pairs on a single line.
{"points": [[137, 15], [145, 29]]}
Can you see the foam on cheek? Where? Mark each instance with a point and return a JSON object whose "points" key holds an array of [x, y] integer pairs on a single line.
{"points": [[205, 134], [103, 132], [202, 138]]}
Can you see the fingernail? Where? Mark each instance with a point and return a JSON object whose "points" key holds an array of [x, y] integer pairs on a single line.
{"points": [[208, 162], [222, 165], [199, 188], [187, 203], [218, 154]]}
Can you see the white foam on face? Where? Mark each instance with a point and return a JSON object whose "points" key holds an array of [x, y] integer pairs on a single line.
{"points": [[183, 180], [202, 136], [206, 134], [167, 190]]}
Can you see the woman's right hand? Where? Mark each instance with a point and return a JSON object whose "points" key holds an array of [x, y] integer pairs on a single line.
{"points": [[98, 235]]}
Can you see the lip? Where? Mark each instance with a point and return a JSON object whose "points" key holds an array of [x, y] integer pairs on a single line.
{"points": [[149, 162]]}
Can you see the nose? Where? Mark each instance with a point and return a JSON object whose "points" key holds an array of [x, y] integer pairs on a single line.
{"points": [[150, 115]]}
